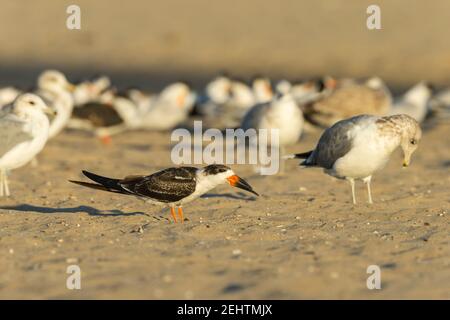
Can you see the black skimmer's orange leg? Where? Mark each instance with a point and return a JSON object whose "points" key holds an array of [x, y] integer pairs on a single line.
{"points": [[172, 212], [180, 214], [106, 140]]}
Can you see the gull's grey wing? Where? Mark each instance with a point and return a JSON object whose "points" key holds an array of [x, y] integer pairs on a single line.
{"points": [[12, 132], [169, 185], [254, 115], [334, 143]]}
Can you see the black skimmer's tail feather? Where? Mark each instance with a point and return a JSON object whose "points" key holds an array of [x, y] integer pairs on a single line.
{"points": [[94, 186], [109, 184]]}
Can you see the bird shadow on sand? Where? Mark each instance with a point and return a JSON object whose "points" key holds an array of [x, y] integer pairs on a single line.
{"points": [[86, 209], [238, 196], [446, 163]]}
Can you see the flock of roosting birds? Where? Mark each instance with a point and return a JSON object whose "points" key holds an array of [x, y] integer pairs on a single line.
{"points": [[364, 125]]}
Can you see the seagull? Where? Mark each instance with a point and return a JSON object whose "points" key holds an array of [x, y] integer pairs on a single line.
{"points": [[439, 105], [140, 98], [8, 95], [172, 187], [414, 102], [55, 89], [355, 148], [167, 110], [302, 92], [349, 99], [24, 129], [218, 90], [282, 114], [90, 90], [227, 100], [262, 89]]}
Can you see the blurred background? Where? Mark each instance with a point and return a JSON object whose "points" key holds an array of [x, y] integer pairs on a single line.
{"points": [[150, 43]]}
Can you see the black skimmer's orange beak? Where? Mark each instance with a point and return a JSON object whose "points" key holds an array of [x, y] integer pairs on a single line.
{"points": [[238, 182]]}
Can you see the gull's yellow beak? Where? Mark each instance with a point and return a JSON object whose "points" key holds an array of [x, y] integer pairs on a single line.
{"points": [[50, 111], [181, 99], [405, 163], [70, 87]]}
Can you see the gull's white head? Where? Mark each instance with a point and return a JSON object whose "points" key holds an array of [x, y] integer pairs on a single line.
{"points": [[283, 86], [54, 81], [241, 95], [408, 131], [100, 84], [218, 90], [410, 138], [178, 95], [375, 83], [419, 94], [30, 103], [262, 89]]}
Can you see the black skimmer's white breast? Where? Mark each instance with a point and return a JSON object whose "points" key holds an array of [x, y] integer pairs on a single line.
{"points": [[172, 187]]}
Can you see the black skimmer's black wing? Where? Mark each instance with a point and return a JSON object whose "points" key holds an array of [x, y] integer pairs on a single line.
{"points": [[168, 185], [99, 114]]}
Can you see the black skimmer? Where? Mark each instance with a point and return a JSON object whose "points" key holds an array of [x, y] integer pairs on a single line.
{"points": [[172, 187], [120, 112]]}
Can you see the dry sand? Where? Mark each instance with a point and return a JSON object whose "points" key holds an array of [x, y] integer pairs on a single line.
{"points": [[302, 238]]}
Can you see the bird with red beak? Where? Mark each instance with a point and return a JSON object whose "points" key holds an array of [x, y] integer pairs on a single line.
{"points": [[172, 187]]}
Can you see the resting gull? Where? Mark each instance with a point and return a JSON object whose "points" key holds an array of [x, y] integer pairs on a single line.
{"points": [[355, 148], [24, 130], [414, 102], [347, 100], [282, 114], [56, 90]]}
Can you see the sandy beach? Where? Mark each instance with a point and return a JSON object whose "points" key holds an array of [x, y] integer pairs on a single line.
{"points": [[302, 238]]}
